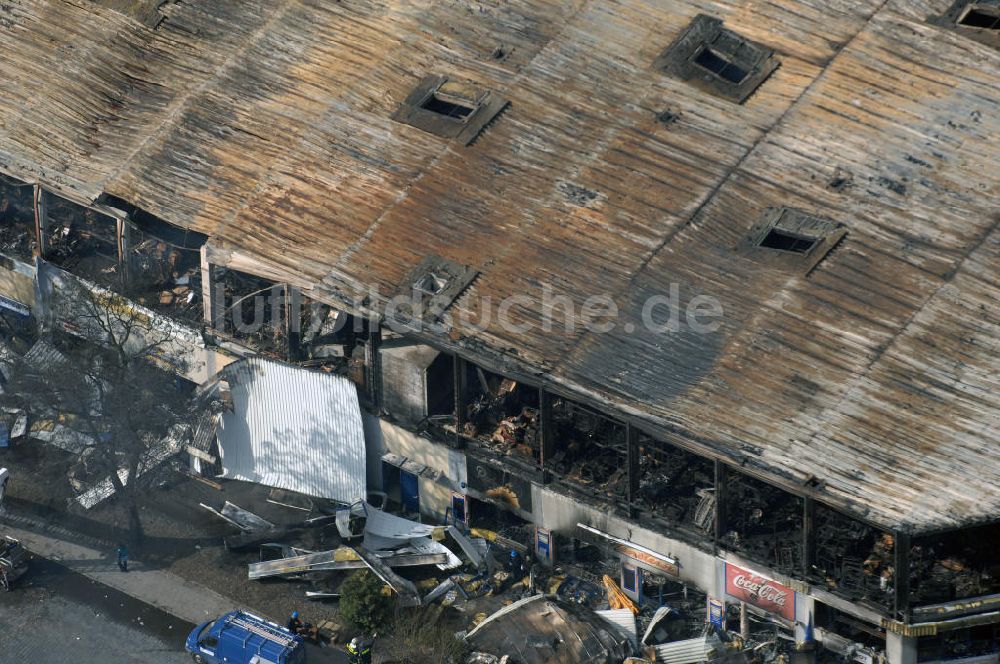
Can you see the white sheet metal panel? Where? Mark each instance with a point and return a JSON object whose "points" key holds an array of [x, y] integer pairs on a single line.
{"points": [[426, 546], [293, 429], [388, 531], [624, 621], [689, 651]]}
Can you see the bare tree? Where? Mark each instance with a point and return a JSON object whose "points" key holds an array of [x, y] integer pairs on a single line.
{"points": [[107, 381]]}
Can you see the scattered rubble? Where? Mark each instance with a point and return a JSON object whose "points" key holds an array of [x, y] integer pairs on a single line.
{"points": [[243, 519], [545, 630]]}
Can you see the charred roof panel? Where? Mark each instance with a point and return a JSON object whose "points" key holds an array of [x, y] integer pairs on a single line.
{"points": [[267, 127]]}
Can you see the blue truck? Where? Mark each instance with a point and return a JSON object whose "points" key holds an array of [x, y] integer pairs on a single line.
{"points": [[243, 638]]}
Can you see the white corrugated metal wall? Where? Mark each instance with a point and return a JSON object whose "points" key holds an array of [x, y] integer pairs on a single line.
{"points": [[293, 429]]}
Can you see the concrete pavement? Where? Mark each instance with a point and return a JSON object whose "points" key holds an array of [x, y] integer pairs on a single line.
{"points": [[166, 591], [190, 602]]}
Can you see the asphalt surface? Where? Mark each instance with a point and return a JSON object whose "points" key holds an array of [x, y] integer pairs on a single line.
{"points": [[55, 616]]}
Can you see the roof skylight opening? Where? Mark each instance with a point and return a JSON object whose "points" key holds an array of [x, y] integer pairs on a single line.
{"points": [[431, 284], [717, 60], [784, 241], [791, 238], [978, 20], [461, 110], [981, 16], [449, 107], [720, 66]]}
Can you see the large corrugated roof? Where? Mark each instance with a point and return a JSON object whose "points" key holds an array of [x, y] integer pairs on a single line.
{"points": [[266, 125]]}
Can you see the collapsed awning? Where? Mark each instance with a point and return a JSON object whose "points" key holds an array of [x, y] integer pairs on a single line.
{"points": [[545, 630], [293, 429]]}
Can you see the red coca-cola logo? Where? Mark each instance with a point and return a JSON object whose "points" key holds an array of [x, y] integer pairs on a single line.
{"points": [[765, 591], [759, 591]]}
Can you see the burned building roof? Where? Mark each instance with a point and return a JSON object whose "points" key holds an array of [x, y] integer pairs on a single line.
{"points": [[859, 364]]}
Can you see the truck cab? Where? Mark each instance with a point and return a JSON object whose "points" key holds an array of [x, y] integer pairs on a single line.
{"points": [[13, 562], [240, 637]]}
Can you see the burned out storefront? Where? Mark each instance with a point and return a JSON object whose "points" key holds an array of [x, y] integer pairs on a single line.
{"points": [[644, 574]]}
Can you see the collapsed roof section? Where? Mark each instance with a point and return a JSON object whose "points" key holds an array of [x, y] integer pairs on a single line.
{"points": [[545, 630], [248, 122]]}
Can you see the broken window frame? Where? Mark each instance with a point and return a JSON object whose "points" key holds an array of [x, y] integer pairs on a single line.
{"points": [[845, 547], [705, 34], [933, 579], [484, 106], [658, 455], [18, 219], [482, 403], [573, 470], [776, 507], [85, 242]]}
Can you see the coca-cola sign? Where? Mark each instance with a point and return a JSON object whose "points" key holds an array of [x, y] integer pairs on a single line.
{"points": [[760, 591]]}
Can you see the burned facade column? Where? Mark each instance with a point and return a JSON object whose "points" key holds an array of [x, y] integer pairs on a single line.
{"points": [[212, 307], [41, 222], [293, 322], [632, 456], [374, 364], [720, 502], [545, 433], [901, 556], [808, 534], [123, 240], [459, 374], [900, 649]]}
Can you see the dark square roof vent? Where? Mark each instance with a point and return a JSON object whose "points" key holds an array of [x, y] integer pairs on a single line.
{"points": [[793, 238], [976, 19], [717, 60], [450, 109], [432, 286]]}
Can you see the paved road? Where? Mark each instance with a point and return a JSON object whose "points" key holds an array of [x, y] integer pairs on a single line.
{"points": [[56, 616], [167, 591], [75, 606]]}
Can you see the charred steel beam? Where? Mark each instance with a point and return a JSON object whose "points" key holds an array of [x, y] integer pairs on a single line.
{"points": [[545, 432], [211, 306], [901, 554], [375, 366], [632, 455], [41, 222], [459, 378], [808, 533], [721, 481], [293, 321], [123, 242]]}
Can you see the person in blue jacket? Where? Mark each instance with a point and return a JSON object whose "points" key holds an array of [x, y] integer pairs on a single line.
{"points": [[122, 552]]}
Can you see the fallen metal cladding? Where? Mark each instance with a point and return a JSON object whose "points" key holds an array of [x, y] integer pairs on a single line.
{"points": [[873, 371]]}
